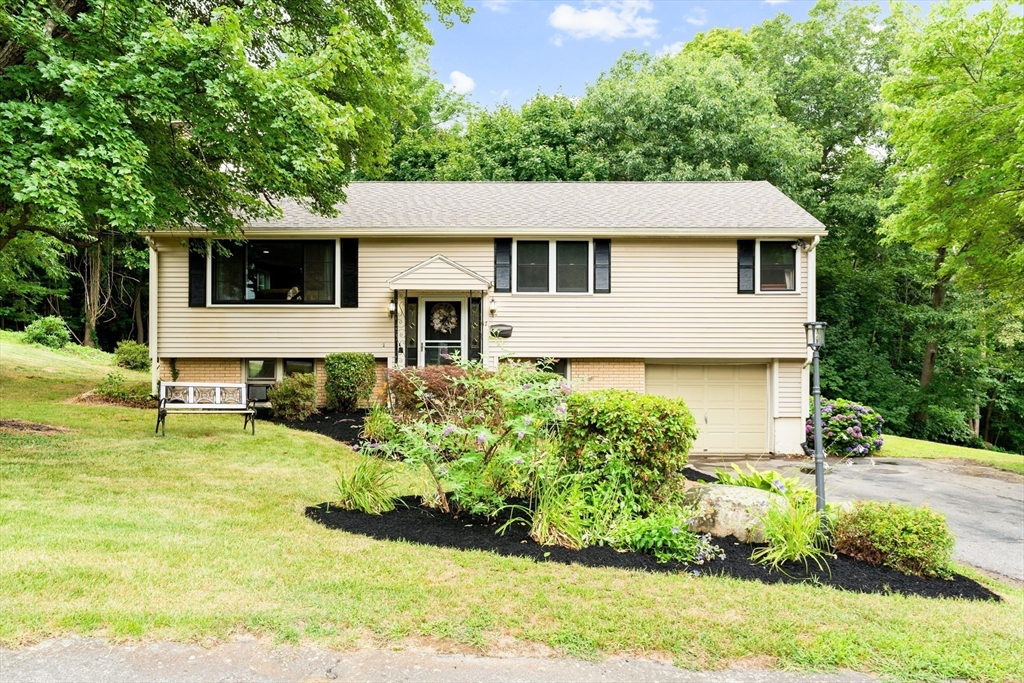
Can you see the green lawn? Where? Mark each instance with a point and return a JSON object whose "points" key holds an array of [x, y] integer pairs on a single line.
{"points": [[110, 530], [901, 447]]}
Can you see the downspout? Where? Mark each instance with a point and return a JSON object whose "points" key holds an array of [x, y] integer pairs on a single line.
{"points": [[154, 355]]}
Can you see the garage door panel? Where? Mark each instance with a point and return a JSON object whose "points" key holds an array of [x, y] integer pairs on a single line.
{"points": [[729, 403]]}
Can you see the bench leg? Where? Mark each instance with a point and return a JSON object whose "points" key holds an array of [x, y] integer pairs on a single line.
{"points": [[161, 421], [250, 418]]}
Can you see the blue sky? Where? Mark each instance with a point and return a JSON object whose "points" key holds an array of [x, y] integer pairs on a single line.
{"points": [[510, 49]]}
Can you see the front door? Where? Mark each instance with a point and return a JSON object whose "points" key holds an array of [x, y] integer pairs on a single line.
{"points": [[444, 331]]}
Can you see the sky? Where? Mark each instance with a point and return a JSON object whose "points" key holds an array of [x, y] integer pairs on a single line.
{"points": [[510, 49]]}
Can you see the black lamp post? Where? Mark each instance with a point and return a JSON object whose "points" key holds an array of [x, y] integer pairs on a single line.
{"points": [[815, 340]]}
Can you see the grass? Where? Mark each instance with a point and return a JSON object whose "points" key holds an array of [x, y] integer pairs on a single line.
{"points": [[901, 447], [112, 531]]}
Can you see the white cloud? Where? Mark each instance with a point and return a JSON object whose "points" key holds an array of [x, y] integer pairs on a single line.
{"points": [[775, 2], [605, 19], [497, 5], [673, 49], [461, 83], [556, 40], [698, 16]]}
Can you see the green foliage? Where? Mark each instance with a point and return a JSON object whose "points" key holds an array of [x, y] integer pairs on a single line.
{"points": [[959, 179], [627, 447], [370, 489], [912, 540], [49, 331], [378, 425], [116, 388], [350, 379], [559, 513], [793, 533], [294, 397], [132, 355], [132, 114], [848, 429], [767, 480], [666, 534]]}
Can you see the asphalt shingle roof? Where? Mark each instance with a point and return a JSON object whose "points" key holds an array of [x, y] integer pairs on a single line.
{"points": [[526, 205]]}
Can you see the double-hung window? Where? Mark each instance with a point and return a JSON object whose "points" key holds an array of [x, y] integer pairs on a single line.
{"points": [[561, 266]]}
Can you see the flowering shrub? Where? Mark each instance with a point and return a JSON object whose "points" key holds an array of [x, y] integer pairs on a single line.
{"points": [[848, 429], [912, 540], [666, 535]]}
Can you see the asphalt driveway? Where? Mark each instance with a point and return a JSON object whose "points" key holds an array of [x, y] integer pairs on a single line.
{"points": [[984, 506]]}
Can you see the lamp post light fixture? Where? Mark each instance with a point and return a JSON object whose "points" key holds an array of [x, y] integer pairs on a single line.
{"points": [[815, 340]]}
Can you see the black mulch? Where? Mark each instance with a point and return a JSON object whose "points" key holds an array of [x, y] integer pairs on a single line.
{"points": [[696, 475], [417, 524], [343, 427]]}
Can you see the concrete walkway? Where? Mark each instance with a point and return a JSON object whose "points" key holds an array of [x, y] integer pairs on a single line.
{"points": [[984, 506], [90, 660]]}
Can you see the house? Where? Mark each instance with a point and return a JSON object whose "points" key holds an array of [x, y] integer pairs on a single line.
{"points": [[691, 289]]}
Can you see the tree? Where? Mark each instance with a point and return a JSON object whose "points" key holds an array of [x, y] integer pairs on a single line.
{"points": [[955, 116], [132, 114]]}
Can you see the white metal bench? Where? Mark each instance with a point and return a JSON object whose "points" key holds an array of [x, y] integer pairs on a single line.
{"points": [[204, 398]]}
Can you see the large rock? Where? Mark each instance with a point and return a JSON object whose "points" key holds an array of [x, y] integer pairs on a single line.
{"points": [[731, 510]]}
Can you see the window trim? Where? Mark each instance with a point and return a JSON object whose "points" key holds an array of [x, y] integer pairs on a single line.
{"points": [[757, 268], [553, 266], [337, 278]]}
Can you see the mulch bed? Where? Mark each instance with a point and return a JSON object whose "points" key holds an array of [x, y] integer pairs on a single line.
{"points": [[412, 522], [343, 427]]}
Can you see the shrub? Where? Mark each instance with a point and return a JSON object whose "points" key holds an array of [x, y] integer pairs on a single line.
{"points": [[132, 355], [379, 426], [912, 540], [666, 535], [350, 379], [559, 512], [115, 387], [847, 429], [431, 390], [371, 488], [50, 331], [627, 447], [294, 398], [793, 533]]}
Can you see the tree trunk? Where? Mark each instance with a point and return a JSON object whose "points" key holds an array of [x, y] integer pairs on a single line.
{"points": [[93, 268], [140, 331], [931, 349]]}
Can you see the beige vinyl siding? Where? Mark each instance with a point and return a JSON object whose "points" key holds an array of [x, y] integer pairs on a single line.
{"points": [[670, 298], [791, 396]]}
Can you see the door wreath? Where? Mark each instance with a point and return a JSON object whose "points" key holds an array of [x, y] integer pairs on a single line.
{"points": [[443, 318]]}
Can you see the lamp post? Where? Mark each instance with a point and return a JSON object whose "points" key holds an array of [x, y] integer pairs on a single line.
{"points": [[815, 340]]}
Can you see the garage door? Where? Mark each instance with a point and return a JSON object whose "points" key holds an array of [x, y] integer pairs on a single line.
{"points": [[729, 402]]}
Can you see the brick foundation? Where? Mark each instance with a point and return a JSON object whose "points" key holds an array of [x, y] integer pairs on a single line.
{"points": [[203, 369], [591, 374]]}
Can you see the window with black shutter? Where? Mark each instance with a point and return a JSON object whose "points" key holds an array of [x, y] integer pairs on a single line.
{"points": [[745, 265], [503, 265], [197, 273], [602, 266]]}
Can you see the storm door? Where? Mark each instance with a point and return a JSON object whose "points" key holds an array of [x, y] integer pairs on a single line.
{"points": [[443, 323]]}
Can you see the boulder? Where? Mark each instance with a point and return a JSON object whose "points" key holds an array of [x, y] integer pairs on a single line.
{"points": [[724, 510]]}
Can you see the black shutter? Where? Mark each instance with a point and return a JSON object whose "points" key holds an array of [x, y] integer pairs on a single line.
{"points": [[745, 265], [197, 273], [602, 266], [503, 264], [350, 273]]}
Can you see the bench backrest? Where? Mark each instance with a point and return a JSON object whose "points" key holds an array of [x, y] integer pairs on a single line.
{"points": [[203, 395]]}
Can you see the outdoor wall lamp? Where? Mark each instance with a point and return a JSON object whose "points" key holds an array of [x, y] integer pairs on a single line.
{"points": [[492, 306], [815, 340], [391, 309]]}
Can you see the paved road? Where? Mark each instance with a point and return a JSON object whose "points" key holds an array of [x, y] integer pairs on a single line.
{"points": [[984, 506], [90, 660]]}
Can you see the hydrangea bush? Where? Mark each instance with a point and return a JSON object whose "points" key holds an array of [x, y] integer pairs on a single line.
{"points": [[848, 429]]}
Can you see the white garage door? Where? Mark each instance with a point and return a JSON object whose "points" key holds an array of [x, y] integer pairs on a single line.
{"points": [[729, 402]]}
